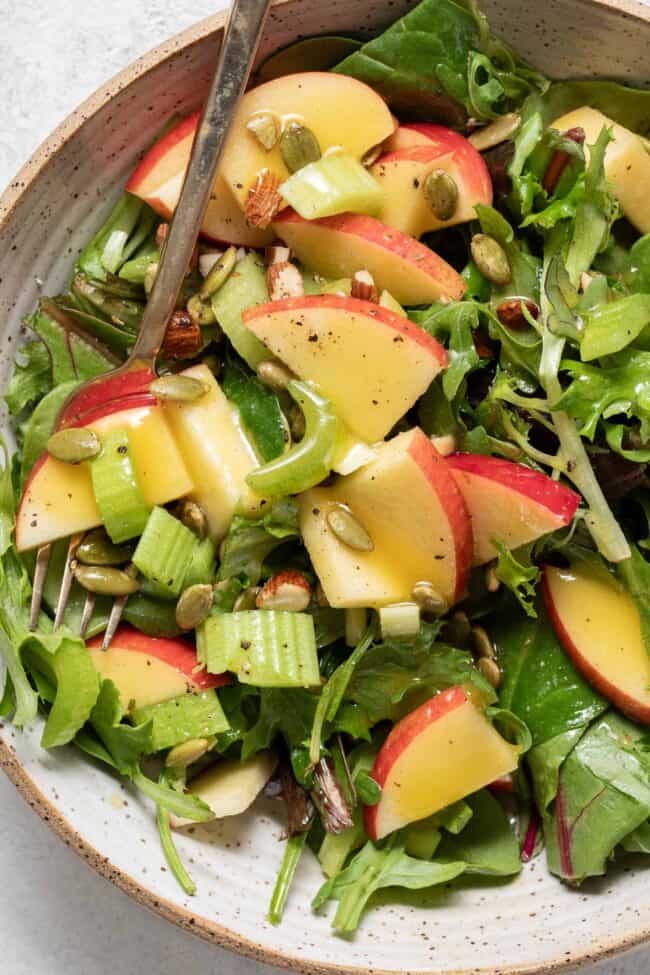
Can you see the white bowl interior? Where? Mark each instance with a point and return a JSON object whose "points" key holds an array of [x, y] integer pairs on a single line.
{"points": [[531, 924]]}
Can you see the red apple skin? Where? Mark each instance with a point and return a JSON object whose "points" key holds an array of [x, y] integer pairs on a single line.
{"points": [[176, 652], [560, 500], [390, 318], [394, 241], [434, 468], [404, 732], [446, 141], [156, 154], [102, 394], [628, 705]]}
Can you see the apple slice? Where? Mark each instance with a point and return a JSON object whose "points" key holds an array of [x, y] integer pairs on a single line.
{"points": [[439, 753], [391, 360], [402, 174], [338, 247], [147, 670], [509, 502], [316, 98], [627, 163], [216, 451], [58, 498], [408, 502], [598, 624], [230, 787], [159, 177]]}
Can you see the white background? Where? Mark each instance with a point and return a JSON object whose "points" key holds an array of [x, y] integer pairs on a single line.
{"points": [[56, 916]]}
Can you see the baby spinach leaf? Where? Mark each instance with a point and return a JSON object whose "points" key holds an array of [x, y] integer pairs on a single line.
{"points": [[74, 355], [487, 844], [287, 712], [40, 426], [639, 840], [259, 408]]}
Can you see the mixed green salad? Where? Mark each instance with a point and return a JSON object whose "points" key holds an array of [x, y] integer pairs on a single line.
{"points": [[378, 529]]}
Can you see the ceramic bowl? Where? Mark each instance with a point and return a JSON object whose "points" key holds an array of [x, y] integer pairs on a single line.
{"points": [[533, 925]]}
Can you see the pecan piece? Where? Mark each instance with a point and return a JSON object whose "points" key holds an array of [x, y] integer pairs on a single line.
{"points": [[183, 338], [560, 160], [510, 313], [263, 202]]}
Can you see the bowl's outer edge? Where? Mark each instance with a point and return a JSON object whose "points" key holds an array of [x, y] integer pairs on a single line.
{"points": [[633, 10]]}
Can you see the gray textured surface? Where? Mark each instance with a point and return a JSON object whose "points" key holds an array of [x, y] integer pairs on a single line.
{"points": [[56, 916]]}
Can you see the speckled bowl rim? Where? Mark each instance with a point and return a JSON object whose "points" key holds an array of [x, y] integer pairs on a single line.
{"points": [[209, 931]]}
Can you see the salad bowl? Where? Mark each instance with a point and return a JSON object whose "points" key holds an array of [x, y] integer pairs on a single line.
{"points": [[55, 203]]}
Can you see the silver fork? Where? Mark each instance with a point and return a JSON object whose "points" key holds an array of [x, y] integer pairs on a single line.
{"points": [[238, 49]]}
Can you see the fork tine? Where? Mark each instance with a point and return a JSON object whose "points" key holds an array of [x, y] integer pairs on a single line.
{"points": [[86, 616], [40, 572], [114, 620], [66, 581]]}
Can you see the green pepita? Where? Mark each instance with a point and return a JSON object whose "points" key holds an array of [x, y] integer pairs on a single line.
{"points": [[265, 126], [187, 753], [494, 133], [297, 425], [247, 599], [201, 311], [298, 146], [483, 646], [74, 445], [428, 599], [274, 375], [193, 517], [441, 193], [219, 274], [490, 670], [183, 389], [347, 528], [105, 580], [96, 548], [491, 259], [193, 606]]}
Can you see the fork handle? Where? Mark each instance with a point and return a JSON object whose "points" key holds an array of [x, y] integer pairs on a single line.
{"points": [[238, 49]]}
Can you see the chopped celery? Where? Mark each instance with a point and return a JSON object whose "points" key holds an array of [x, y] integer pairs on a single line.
{"points": [[118, 494], [245, 287], [308, 462], [333, 184], [316, 284], [386, 300], [203, 565], [182, 719], [263, 647], [165, 551], [421, 839], [400, 620]]}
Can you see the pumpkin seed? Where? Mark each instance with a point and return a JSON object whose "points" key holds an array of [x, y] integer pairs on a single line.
{"points": [[441, 193], [274, 375], [347, 528], [187, 753], [201, 311], [428, 599], [247, 599], [482, 643], [193, 606], [490, 670], [184, 389], [105, 580], [298, 146], [96, 548], [496, 132], [74, 445], [150, 277], [491, 259], [265, 126], [219, 274], [193, 517]]}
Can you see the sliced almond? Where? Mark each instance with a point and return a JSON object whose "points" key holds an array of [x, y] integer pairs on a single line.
{"points": [[289, 591], [264, 201], [284, 280], [363, 287], [277, 254]]}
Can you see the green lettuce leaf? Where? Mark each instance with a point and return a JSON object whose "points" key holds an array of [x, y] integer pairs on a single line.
{"points": [[519, 578], [125, 744], [596, 393], [613, 326], [251, 540], [453, 325], [71, 671]]}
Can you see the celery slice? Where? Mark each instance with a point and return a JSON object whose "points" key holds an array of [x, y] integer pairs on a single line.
{"points": [[333, 184], [203, 565], [118, 494], [308, 462], [245, 288], [263, 647], [316, 284], [164, 552], [183, 719]]}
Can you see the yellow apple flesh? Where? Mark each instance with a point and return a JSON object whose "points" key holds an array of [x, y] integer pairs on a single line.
{"points": [[409, 504], [627, 163], [598, 624], [444, 750], [230, 786]]}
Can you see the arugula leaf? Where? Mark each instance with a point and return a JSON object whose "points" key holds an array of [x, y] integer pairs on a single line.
{"points": [[73, 354], [288, 712], [520, 579], [171, 853], [292, 852], [125, 744], [31, 378], [610, 327], [184, 805], [374, 868], [393, 677], [441, 62], [251, 540], [541, 686], [487, 844], [71, 671], [598, 393], [603, 795], [259, 407]]}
